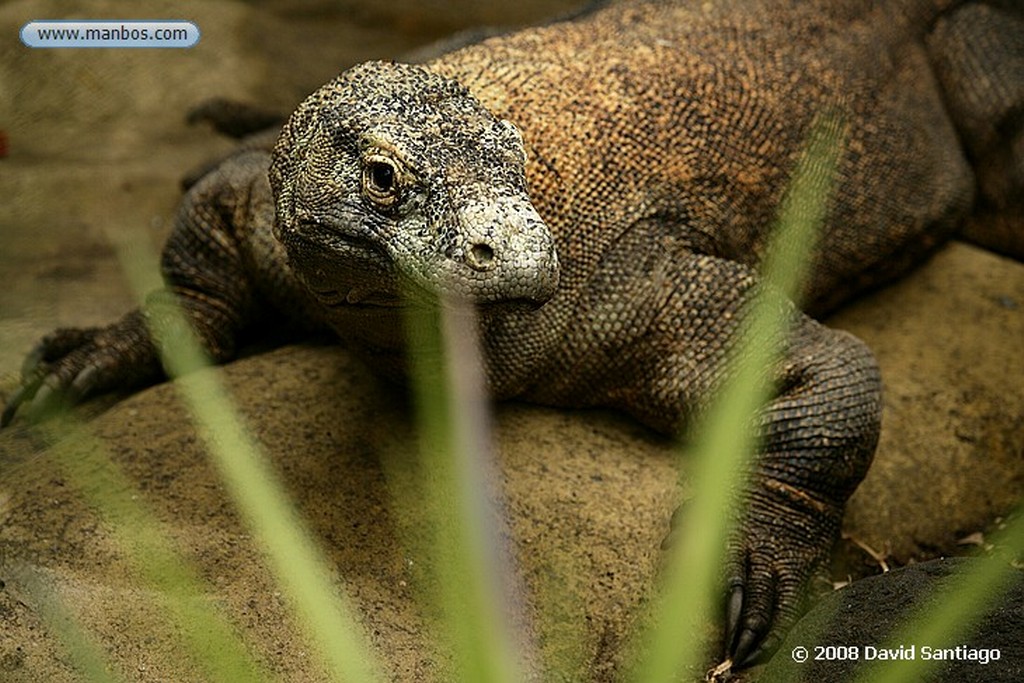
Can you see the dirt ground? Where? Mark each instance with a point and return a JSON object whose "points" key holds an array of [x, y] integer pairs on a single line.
{"points": [[96, 147]]}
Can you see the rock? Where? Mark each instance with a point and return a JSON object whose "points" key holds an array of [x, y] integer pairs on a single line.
{"points": [[587, 497], [860, 618], [951, 455]]}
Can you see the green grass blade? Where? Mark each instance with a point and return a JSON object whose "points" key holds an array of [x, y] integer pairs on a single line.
{"points": [[455, 451], [297, 562], [208, 638], [85, 654], [724, 444], [950, 613]]}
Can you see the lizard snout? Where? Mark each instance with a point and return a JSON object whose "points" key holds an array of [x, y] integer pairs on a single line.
{"points": [[507, 252]]}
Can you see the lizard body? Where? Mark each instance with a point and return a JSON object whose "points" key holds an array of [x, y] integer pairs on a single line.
{"points": [[602, 189]]}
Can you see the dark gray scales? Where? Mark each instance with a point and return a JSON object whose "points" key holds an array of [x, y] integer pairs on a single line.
{"points": [[603, 189]]}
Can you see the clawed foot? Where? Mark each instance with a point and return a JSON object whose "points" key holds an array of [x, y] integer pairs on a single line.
{"points": [[772, 559], [70, 365], [785, 540]]}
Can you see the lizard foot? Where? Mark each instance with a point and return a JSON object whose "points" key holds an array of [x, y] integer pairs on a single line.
{"points": [[772, 559], [71, 364]]}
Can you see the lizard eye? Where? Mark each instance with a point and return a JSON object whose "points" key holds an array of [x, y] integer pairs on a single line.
{"points": [[380, 181], [382, 176]]}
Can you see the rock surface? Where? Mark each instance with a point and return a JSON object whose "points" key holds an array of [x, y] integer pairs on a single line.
{"points": [[867, 614], [97, 147], [951, 455], [588, 499]]}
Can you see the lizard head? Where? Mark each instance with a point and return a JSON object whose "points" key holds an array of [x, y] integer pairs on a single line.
{"points": [[391, 176]]}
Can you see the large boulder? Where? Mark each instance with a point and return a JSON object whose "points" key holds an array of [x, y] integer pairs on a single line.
{"points": [[951, 458], [586, 498], [855, 628]]}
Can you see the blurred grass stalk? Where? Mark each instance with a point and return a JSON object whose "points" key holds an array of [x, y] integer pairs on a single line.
{"points": [[472, 580], [950, 612], [724, 445], [300, 567], [85, 654]]}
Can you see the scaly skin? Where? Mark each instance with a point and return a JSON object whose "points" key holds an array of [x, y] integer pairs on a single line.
{"points": [[602, 189]]}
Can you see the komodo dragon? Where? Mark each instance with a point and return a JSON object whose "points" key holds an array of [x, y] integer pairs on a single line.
{"points": [[602, 189]]}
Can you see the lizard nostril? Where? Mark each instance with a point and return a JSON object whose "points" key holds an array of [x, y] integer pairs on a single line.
{"points": [[481, 256]]}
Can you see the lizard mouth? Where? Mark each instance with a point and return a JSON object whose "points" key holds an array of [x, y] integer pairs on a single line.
{"points": [[342, 270], [351, 271], [358, 298]]}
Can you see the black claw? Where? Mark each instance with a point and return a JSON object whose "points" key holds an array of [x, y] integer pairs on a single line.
{"points": [[735, 611], [26, 392], [744, 648], [11, 408], [763, 651], [82, 385]]}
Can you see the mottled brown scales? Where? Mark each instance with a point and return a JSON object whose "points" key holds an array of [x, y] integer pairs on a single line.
{"points": [[603, 190]]}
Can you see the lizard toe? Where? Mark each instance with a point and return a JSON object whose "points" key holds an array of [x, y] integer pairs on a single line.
{"points": [[33, 362], [60, 384], [84, 384], [745, 645], [56, 346], [752, 607], [790, 595], [764, 651], [22, 394], [48, 373], [34, 374], [47, 399]]}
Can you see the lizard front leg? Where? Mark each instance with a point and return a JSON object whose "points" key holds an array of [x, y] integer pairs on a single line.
{"points": [[660, 327], [206, 276], [817, 437]]}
